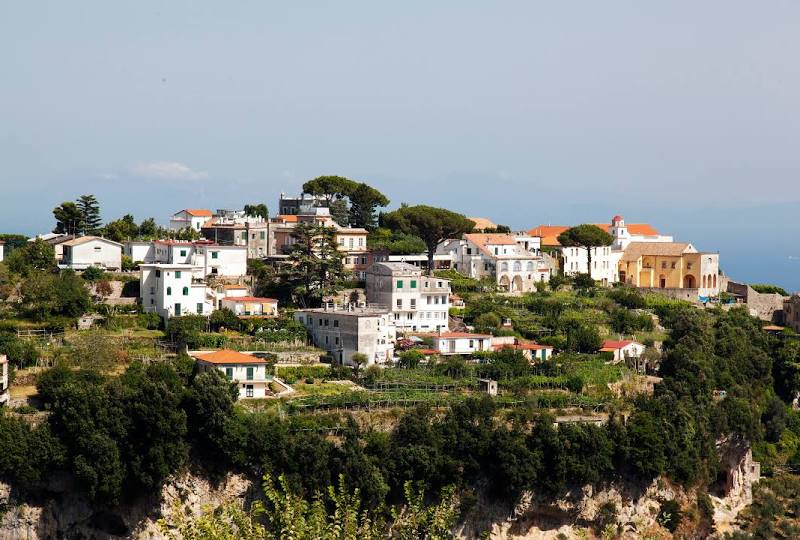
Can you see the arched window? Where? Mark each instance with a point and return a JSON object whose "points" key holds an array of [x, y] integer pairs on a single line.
{"points": [[186, 291], [504, 267], [517, 266], [704, 282], [169, 291], [529, 266], [715, 281]]}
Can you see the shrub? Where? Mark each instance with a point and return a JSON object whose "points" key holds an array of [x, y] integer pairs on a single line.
{"points": [[93, 274], [670, 515]]}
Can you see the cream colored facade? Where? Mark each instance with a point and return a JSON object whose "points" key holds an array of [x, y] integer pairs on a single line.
{"points": [[669, 265]]}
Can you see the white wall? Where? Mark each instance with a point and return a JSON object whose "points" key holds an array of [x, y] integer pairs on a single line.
{"points": [[164, 293], [462, 345], [101, 253]]}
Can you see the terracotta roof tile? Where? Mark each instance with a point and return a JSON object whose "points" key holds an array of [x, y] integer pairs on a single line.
{"points": [[227, 356], [198, 212], [549, 233]]}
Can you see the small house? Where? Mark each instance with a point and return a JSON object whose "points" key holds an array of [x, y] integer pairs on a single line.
{"points": [[447, 343], [247, 371], [251, 306], [623, 349], [87, 251]]}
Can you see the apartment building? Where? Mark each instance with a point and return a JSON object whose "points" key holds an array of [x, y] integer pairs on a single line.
{"points": [[416, 302], [172, 290]]}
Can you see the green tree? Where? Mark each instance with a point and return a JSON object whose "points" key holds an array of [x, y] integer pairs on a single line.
{"points": [[45, 295], [316, 268], [257, 210], [339, 212], [396, 243], [69, 218], [364, 202], [90, 214], [430, 224], [209, 407], [36, 255], [148, 228], [330, 187], [122, 229], [585, 236]]}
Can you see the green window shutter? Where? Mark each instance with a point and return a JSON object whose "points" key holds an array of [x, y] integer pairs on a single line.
{"points": [[215, 254], [183, 253], [229, 373], [413, 283], [399, 283], [249, 374], [178, 274], [169, 291], [244, 235], [186, 291]]}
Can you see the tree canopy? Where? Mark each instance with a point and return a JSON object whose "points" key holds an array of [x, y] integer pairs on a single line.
{"points": [[430, 224]]}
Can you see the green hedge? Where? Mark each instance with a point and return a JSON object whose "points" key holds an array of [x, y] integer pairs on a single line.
{"points": [[295, 373]]}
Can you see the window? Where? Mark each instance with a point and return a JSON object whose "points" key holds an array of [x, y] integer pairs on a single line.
{"points": [[320, 322], [263, 235], [399, 303], [177, 310], [360, 242], [152, 290], [336, 341], [336, 324], [413, 303], [186, 291], [469, 251], [471, 344], [248, 390], [517, 266], [327, 322], [413, 284], [215, 254], [229, 373], [673, 266], [169, 291], [249, 373], [429, 300], [199, 308], [399, 283], [177, 274], [97, 249], [244, 235], [504, 267], [183, 253], [326, 340], [158, 273], [351, 243], [440, 284]]}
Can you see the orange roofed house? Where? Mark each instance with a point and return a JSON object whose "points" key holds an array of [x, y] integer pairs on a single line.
{"points": [[247, 371], [193, 218]]}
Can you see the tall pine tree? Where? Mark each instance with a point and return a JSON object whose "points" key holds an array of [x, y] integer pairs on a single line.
{"points": [[90, 211], [317, 266]]}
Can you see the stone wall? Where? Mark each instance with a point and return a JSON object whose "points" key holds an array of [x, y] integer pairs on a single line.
{"points": [[690, 295], [767, 307]]}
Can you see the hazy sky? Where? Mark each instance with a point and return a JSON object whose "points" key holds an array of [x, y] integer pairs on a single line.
{"points": [[684, 114]]}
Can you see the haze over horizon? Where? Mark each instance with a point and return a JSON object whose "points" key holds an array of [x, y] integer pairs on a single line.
{"points": [[683, 115]]}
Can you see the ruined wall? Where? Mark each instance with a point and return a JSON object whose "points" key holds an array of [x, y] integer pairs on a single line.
{"points": [[767, 307]]}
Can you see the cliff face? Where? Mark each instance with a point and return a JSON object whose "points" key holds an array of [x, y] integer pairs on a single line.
{"points": [[62, 514]]}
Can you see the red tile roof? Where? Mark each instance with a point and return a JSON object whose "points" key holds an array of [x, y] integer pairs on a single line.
{"points": [[549, 233], [198, 212], [612, 345], [227, 356]]}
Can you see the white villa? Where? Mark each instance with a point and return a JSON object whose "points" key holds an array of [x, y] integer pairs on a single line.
{"points": [[193, 218], [85, 251], [416, 302], [171, 291], [515, 262], [247, 371], [2, 245]]}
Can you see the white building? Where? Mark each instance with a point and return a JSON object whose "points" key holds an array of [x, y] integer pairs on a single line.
{"points": [[623, 349], [5, 396], [193, 218], [346, 330], [211, 259], [448, 343], [56, 240], [2, 246], [171, 291], [248, 372], [416, 302], [251, 306], [81, 253], [514, 262]]}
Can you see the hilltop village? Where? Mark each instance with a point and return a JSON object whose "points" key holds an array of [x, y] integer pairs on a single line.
{"points": [[333, 342]]}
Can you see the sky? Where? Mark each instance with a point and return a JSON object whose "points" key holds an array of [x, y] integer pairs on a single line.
{"points": [[681, 114]]}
